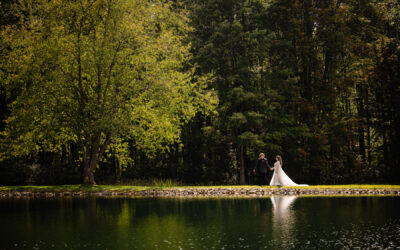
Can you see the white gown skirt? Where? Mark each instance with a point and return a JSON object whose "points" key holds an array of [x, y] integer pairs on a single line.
{"points": [[280, 178]]}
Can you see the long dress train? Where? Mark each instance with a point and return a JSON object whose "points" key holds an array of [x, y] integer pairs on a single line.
{"points": [[279, 178]]}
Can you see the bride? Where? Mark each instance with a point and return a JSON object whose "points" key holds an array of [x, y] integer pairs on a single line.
{"points": [[279, 178]]}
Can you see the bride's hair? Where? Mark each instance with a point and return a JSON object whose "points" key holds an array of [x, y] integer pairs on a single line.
{"points": [[279, 159]]}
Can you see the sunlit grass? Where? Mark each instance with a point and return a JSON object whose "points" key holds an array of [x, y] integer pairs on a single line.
{"points": [[351, 186], [152, 183], [165, 186]]}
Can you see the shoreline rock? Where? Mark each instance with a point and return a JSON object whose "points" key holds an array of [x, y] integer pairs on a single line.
{"points": [[202, 192]]}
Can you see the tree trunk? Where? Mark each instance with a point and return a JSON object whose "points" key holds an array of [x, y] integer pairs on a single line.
{"points": [[88, 176], [368, 123], [92, 157], [117, 170], [361, 132], [90, 164], [242, 167]]}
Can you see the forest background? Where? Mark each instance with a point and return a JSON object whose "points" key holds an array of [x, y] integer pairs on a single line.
{"points": [[317, 82]]}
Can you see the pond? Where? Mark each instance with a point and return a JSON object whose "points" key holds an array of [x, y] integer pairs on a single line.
{"points": [[278, 222]]}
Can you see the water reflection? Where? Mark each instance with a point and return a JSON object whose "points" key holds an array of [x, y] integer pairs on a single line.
{"points": [[278, 222], [283, 217], [282, 207]]}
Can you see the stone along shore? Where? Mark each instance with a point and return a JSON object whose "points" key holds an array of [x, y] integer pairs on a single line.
{"points": [[203, 192]]}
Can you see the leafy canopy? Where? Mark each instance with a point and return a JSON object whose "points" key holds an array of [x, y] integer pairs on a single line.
{"points": [[98, 69]]}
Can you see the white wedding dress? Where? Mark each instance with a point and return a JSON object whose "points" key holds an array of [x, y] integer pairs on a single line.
{"points": [[279, 178]]}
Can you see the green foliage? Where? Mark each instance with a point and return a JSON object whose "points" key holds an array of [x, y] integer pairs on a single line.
{"points": [[231, 39], [94, 73], [313, 81]]}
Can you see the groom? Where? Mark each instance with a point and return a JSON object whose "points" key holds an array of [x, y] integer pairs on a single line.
{"points": [[262, 169]]}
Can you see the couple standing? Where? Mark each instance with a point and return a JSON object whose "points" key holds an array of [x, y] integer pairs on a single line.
{"points": [[279, 177]]}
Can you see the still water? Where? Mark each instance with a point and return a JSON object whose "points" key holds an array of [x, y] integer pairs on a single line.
{"points": [[285, 222]]}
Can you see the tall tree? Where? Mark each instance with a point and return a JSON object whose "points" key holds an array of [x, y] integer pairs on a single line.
{"points": [[233, 39], [331, 50], [385, 94], [96, 73], [230, 39]]}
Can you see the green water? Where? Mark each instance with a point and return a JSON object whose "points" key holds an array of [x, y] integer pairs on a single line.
{"points": [[142, 223]]}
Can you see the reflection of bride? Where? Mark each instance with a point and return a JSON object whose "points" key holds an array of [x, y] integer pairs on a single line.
{"points": [[279, 178], [283, 220], [282, 204]]}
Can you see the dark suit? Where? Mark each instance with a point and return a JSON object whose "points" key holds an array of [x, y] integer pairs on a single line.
{"points": [[262, 169]]}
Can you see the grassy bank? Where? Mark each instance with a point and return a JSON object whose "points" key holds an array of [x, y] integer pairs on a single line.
{"points": [[114, 188]]}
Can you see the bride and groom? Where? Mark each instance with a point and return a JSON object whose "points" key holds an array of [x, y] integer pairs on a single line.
{"points": [[279, 177]]}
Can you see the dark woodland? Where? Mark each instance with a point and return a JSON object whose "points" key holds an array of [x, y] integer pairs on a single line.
{"points": [[317, 82]]}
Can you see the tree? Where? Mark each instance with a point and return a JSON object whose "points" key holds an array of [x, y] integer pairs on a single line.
{"points": [[231, 40], [385, 94], [94, 74], [330, 47]]}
